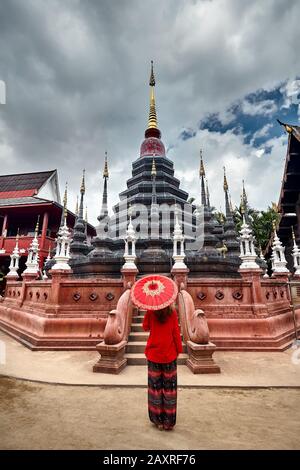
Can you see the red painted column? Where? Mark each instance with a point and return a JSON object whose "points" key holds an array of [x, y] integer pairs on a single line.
{"points": [[4, 231]]}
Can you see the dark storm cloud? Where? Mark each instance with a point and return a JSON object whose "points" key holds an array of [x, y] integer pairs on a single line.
{"points": [[77, 71]]}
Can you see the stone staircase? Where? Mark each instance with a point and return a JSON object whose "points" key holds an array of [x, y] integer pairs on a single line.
{"points": [[137, 342]]}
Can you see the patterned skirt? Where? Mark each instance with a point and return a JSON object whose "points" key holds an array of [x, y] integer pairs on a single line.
{"points": [[162, 392]]}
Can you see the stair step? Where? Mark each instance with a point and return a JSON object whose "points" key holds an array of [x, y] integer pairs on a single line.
{"points": [[139, 359], [138, 336], [139, 346], [135, 346], [136, 327], [138, 319]]}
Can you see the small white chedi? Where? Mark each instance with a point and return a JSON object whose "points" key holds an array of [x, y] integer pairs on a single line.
{"points": [[278, 257], [178, 245], [129, 254], [14, 261], [247, 250], [32, 262]]}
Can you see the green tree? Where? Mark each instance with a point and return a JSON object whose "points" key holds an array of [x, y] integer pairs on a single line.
{"points": [[260, 221]]}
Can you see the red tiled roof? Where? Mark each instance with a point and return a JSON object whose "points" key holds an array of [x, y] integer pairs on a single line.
{"points": [[13, 194], [24, 184]]}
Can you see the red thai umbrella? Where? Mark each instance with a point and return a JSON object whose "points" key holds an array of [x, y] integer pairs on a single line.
{"points": [[154, 292]]}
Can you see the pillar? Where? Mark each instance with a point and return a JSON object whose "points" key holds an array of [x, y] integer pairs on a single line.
{"points": [[4, 230]]}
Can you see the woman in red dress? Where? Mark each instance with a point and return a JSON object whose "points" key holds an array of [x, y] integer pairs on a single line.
{"points": [[163, 346]]}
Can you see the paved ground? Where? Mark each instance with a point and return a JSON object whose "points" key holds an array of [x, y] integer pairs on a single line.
{"points": [[242, 369], [43, 416]]}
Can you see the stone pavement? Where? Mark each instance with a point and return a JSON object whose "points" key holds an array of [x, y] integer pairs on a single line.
{"points": [[238, 369]]}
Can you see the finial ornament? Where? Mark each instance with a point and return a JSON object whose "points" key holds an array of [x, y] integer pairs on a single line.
{"points": [[152, 78], [242, 205], [37, 226], [153, 170], [202, 169], [82, 188], [152, 122], [65, 201], [293, 233], [225, 185], [105, 170]]}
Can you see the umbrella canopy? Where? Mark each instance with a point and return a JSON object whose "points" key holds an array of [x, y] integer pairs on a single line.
{"points": [[154, 292]]}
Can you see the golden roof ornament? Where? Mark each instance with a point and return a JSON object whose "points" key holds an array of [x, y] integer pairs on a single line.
{"points": [[152, 121], [293, 233], [105, 170], [82, 188], [202, 169], [76, 208], [242, 205], [153, 170], [37, 226], [225, 185]]}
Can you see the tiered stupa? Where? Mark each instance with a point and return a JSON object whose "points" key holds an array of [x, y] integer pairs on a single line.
{"points": [[152, 194]]}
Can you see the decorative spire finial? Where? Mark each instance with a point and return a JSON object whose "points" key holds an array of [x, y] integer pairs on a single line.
{"points": [[37, 226], [65, 201], [242, 205], [225, 185], [105, 170], [153, 170], [82, 188], [152, 121], [202, 170], [293, 234], [152, 78]]}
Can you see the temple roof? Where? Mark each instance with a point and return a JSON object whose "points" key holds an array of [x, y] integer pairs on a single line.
{"points": [[27, 184]]}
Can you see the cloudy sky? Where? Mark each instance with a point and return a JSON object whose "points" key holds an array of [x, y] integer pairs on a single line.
{"points": [[77, 73]]}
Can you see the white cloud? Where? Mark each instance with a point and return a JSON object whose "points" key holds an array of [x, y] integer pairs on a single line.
{"points": [[263, 107], [77, 76]]}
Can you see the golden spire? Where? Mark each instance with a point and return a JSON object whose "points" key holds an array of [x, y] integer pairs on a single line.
{"points": [[82, 189], [37, 226], [202, 170], [76, 208], [274, 225], [242, 205], [225, 186], [86, 214], [153, 170], [152, 121], [293, 233], [105, 170]]}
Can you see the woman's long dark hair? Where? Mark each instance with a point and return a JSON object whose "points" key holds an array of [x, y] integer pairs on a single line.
{"points": [[163, 314]]}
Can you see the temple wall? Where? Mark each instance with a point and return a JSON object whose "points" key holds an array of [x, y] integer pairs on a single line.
{"points": [[62, 314], [247, 313]]}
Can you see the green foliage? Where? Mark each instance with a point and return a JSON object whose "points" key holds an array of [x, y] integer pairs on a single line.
{"points": [[260, 221]]}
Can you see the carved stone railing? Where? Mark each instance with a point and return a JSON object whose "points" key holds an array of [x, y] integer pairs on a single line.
{"points": [[112, 348], [196, 336]]}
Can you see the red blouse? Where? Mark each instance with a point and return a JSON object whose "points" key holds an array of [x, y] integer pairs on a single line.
{"points": [[164, 342]]}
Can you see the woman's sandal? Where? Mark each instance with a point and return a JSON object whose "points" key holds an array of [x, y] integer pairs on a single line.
{"points": [[160, 426]]}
